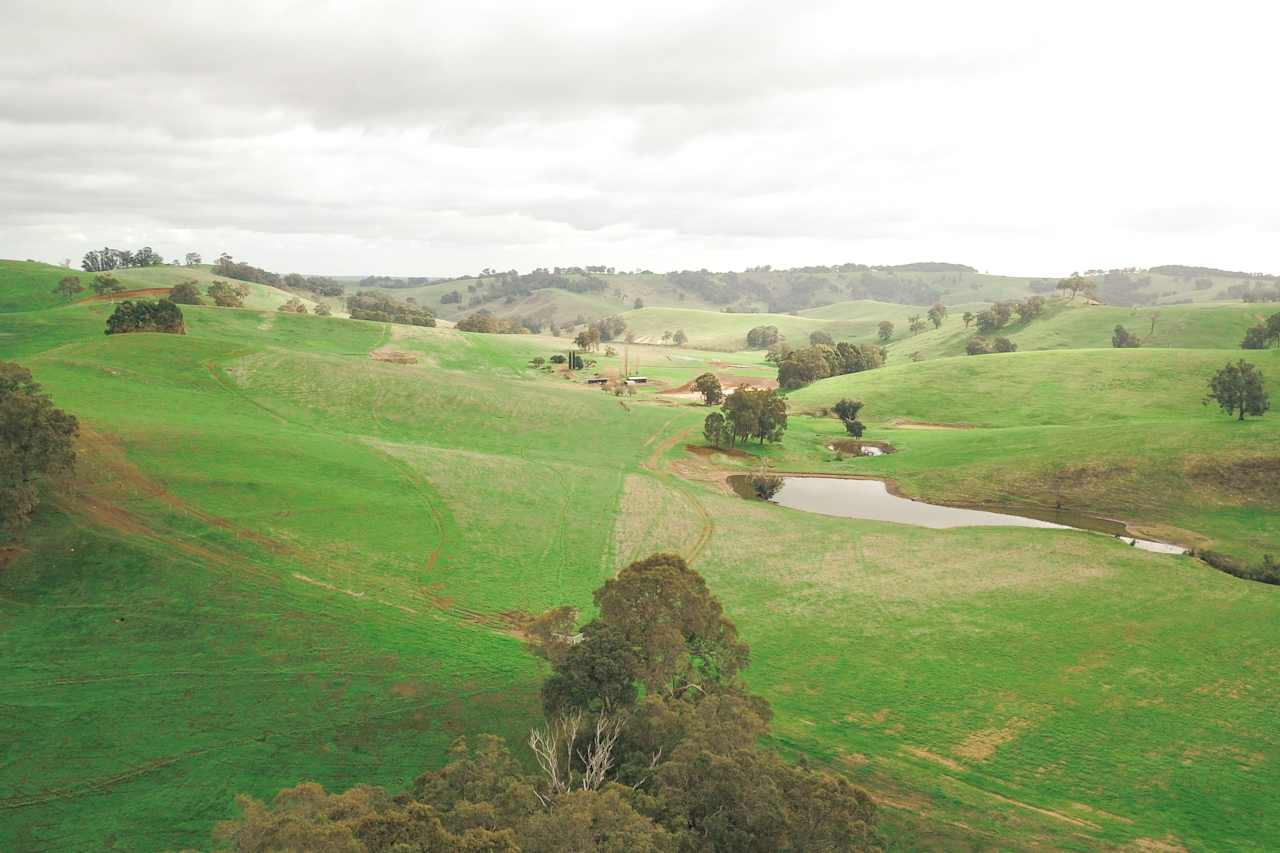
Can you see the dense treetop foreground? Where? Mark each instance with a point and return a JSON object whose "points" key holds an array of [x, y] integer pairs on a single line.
{"points": [[284, 560]]}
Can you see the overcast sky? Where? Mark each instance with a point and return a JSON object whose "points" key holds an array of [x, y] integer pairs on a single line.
{"points": [[435, 138]]}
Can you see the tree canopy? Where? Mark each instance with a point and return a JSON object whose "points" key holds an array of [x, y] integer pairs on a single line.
{"points": [[369, 305], [1122, 338], [708, 385], [146, 316], [762, 337], [677, 769], [1239, 388], [185, 293], [847, 411], [755, 413], [35, 442], [227, 295], [798, 368], [69, 286]]}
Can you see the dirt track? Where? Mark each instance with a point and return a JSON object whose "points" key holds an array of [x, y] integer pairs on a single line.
{"points": [[129, 294]]}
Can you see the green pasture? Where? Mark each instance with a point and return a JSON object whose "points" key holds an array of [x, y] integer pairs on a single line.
{"points": [[285, 560]]}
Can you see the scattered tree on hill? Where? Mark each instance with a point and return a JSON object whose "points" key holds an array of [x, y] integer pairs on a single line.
{"points": [[231, 268], [323, 310], [69, 286], [916, 325], [369, 305], [717, 430], [486, 322], [679, 338], [666, 337], [885, 331], [937, 314], [294, 305], [1239, 388], [798, 368], [185, 293], [146, 316], [1263, 335], [608, 328], [106, 259], [802, 367], [1122, 338], [1029, 308], [587, 339], [35, 443], [968, 318], [708, 385], [104, 285], [1075, 283], [192, 259], [980, 345], [986, 322], [820, 337], [762, 337], [680, 768], [755, 413], [227, 295], [847, 411], [318, 284], [558, 359], [638, 304]]}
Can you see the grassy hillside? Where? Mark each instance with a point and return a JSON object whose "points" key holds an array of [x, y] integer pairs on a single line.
{"points": [[810, 291], [286, 560], [28, 285], [855, 321], [1068, 325], [1113, 432]]}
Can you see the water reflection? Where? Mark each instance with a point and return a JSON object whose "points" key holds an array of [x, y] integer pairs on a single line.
{"points": [[872, 500]]}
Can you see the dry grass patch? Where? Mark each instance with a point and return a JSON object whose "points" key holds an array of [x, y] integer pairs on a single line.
{"points": [[652, 518], [981, 745], [935, 758], [1250, 479]]}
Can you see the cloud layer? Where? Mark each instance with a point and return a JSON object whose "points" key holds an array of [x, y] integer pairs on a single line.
{"points": [[439, 138]]}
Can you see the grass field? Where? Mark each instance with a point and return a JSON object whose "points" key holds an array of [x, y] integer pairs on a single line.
{"points": [[856, 321], [285, 560], [1066, 325]]}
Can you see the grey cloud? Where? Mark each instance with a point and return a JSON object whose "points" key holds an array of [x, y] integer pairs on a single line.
{"points": [[488, 133]]}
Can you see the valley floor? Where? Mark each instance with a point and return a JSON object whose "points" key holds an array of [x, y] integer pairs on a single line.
{"points": [[287, 560]]}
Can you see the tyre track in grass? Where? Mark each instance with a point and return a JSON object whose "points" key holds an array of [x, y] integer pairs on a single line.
{"points": [[654, 464], [104, 783]]}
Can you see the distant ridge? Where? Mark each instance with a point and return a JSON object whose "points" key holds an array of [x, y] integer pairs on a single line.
{"points": [[930, 266], [1181, 270]]}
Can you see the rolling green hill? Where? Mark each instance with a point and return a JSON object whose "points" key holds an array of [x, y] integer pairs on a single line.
{"points": [[718, 330], [28, 285], [1066, 325], [284, 559], [810, 291], [1113, 432]]}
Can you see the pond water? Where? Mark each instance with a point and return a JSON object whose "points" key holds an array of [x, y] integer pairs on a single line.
{"points": [[872, 500]]}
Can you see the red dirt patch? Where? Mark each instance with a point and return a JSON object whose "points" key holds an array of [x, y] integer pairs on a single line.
{"points": [[129, 294], [703, 450], [728, 381], [394, 356], [8, 554]]}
